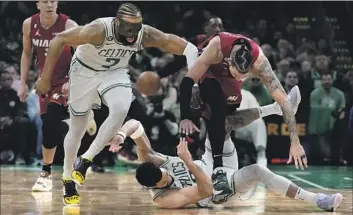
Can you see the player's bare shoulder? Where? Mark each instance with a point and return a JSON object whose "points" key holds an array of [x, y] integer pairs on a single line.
{"points": [[152, 37], [93, 33], [26, 26], [213, 51], [70, 24]]}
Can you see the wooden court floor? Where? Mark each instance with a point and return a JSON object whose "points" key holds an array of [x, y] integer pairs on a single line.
{"points": [[116, 192]]}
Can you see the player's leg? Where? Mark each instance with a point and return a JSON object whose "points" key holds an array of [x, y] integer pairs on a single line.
{"points": [[118, 99], [212, 95], [248, 177], [230, 155], [53, 128], [72, 144], [82, 95], [242, 118], [255, 132]]}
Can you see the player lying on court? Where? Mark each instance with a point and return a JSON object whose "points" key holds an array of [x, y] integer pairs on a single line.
{"points": [[176, 182], [99, 73]]}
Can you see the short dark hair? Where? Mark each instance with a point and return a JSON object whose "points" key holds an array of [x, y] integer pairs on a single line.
{"points": [[128, 9], [148, 174], [325, 74]]}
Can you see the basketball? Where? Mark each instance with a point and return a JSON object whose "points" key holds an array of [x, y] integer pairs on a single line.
{"points": [[148, 83]]}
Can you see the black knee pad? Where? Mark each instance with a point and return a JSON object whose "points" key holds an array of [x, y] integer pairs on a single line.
{"points": [[53, 127]]}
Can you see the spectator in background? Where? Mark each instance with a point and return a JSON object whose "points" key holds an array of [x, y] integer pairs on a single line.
{"points": [[254, 132], [164, 130], [261, 94], [326, 104], [323, 47], [33, 110], [308, 55], [270, 54], [322, 64], [15, 77], [290, 80], [282, 69], [13, 122], [170, 102]]}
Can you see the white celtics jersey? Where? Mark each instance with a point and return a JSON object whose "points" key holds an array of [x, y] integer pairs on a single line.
{"points": [[111, 55], [180, 173]]}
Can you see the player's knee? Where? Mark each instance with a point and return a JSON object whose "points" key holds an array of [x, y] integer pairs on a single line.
{"points": [[256, 170], [118, 110]]}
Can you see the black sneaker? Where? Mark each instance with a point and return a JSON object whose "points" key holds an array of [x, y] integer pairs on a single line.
{"points": [[71, 196], [81, 165], [220, 183]]}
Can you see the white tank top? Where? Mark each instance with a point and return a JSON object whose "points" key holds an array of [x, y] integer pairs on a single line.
{"points": [[182, 176], [111, 55]]}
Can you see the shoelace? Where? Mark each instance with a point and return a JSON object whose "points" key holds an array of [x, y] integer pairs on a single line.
{"points": [[323, 201], [70, 188]]}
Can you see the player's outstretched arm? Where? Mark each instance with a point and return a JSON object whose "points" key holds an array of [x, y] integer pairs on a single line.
{"points": [[211, 55], [188, 195], [92, 33], [135, 130], [171, 43], [262, 68], [268, 77]]}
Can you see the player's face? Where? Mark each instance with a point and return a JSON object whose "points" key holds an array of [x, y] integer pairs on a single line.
{"points": [[128, 28], [165, 180], [5, 81], [47, 7], [214, 26]]}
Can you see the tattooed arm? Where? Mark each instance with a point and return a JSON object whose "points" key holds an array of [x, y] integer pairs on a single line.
{"points": [[262, 69]]}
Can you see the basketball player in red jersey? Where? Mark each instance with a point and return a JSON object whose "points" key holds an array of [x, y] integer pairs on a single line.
{"points": [[38, 31], [212, 26], [226, 60]]}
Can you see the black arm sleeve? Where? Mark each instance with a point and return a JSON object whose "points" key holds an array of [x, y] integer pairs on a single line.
{"points": [[185, 97]]}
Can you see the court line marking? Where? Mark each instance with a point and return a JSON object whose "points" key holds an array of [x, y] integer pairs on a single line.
{"points": [[308, 182]]}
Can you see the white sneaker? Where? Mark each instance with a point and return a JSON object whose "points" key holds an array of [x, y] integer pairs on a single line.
{"points": [[328, 202], [44, 183], [294, 98], [92, 126]]}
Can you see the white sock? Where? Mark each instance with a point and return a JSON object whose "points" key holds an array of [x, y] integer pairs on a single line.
{"points": [[306, 196], [72, 142], [269, 110]]}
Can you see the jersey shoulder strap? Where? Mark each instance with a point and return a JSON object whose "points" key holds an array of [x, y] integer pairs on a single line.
{"points": [[108, 23]]}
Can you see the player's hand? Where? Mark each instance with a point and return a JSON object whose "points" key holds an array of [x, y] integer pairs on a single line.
{"points": [[22, 92], [65, 89], [42, 86], [297, 153], [196, 101], [187, 127], [183, 151], [116, 143]]}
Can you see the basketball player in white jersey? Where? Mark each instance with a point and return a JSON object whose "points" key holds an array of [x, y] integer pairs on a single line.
{"points": [[99, 72], [175, 182]]}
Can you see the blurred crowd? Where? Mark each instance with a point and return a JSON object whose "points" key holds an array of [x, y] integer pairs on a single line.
{"points": [[317, 61]]}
